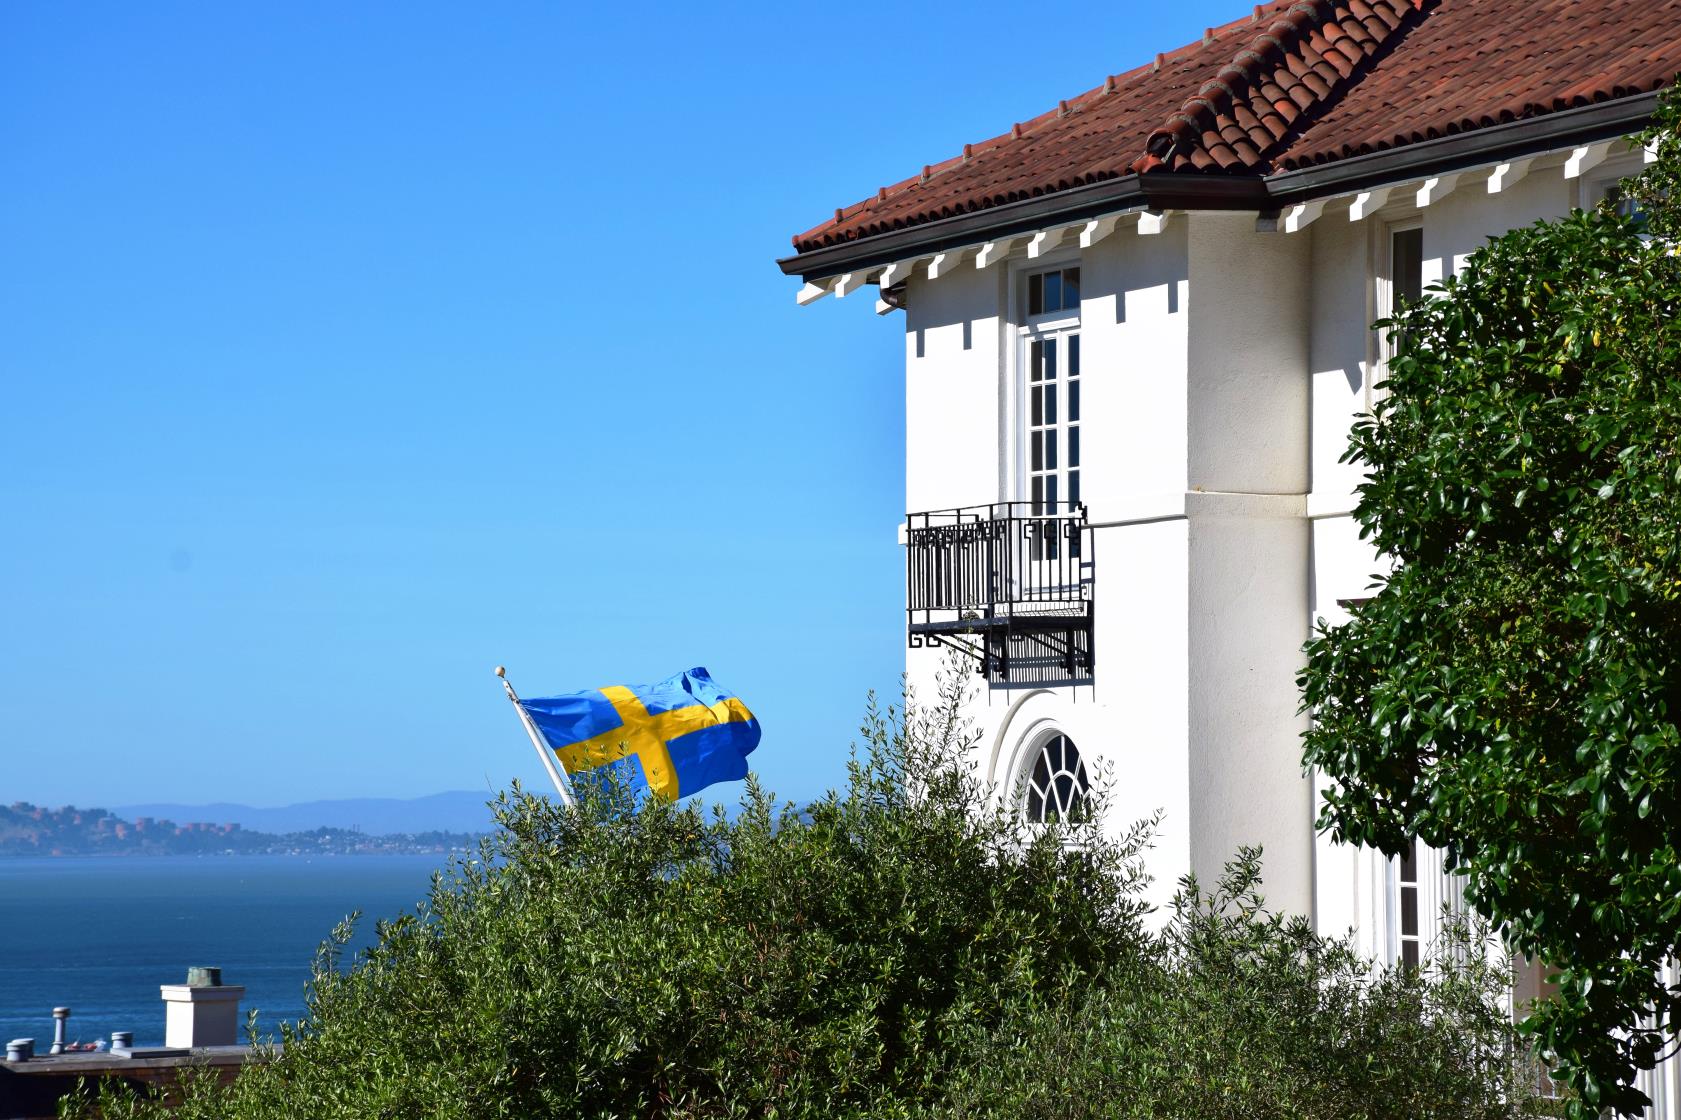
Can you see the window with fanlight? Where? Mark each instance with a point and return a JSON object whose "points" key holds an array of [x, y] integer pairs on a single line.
{"points": [[1055, 785]]}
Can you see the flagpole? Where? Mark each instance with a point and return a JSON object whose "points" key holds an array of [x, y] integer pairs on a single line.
{"points": [[537, 741]]}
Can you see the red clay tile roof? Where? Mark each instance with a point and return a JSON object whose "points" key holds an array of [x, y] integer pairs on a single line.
{"points": [[1299, 82]]}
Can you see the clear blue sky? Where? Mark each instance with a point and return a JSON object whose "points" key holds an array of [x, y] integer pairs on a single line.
{"points": [[349, 350]]}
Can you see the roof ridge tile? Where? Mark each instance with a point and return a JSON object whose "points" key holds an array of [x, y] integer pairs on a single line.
{"points": [[1282, 66]]}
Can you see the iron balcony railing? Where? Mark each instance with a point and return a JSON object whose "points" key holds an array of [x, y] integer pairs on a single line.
{"points": [[1016, 578]]}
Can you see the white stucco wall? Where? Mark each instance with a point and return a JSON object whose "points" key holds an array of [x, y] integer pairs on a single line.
{"points": [[1133, 329], [952, 384], [1248, 395], [1248, 392]]}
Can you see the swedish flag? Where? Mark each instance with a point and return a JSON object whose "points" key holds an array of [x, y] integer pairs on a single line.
{"points": [[673, 738]]}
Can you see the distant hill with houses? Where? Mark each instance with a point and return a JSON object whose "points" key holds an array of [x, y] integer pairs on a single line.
{"points": [[35, 830], [454, 811]]}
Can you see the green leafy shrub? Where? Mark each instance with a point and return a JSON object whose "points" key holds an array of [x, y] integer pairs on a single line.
{"points": [[1248, 1015], [905, 948]]}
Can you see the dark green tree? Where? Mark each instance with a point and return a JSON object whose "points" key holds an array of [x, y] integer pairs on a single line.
{"points": [[1511, 690]]}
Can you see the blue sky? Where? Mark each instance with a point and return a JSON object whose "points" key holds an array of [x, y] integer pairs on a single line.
{"points": [[349, 350]]}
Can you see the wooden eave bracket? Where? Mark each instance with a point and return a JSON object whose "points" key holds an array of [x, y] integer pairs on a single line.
{"points": [[899, 270], [1044, 241], [849, 282], [1301, 215], [1152, 222], [1508, 173], [1436, 188], [942, 263], [812, 291], [1367, 203], [1586, 158], [994, 251], [1097, 229]]}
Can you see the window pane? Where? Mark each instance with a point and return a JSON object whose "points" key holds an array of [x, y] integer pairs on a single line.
{"points": [[1038, 495], [1073, 447], [1073, 355], [1409, 912], [1036, 360], [1073, 402], [1050, 493], [1409, 953], [1038, 447], [1037, 395], [1050, 450], [1406, 261], [1074, 495], [1053, 291], [1409, 863], [1049, 350], [1035, 295], [1050, 404], [1071, 288]]}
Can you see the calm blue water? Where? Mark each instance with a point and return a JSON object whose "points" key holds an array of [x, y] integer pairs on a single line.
{"points": [[100, 934]]}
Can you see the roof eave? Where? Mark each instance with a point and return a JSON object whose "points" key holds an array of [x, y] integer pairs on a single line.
{"points": [[1158, 190]]}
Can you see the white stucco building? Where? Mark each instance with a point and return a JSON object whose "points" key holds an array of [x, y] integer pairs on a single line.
{"points": [[1137, 329]]}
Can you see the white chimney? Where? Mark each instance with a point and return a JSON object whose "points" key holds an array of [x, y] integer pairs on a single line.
{"points": [[203, 1011]]}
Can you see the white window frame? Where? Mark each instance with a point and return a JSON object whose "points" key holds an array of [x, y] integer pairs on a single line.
{"points": [[1434, 893], [1036, 741], [1592, 187], [1383, 299], [1025, 330]]}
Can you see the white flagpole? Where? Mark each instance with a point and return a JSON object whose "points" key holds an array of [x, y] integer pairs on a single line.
{"points": [[538, 742]]}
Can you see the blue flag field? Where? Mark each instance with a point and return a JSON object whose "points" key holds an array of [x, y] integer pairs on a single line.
{"points": [[673, 738]]}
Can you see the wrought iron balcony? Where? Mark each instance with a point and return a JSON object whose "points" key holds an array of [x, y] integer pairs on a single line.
{"points": [[1009, 585]]}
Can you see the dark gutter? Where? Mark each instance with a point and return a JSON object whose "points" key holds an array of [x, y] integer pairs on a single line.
{"points": [[1604, 120], [1029, 215], [965, 229], [1176, 191]]}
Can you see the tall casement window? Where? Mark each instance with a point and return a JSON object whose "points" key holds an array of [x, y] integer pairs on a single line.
{"points": [[1054, 780], [1401, 283], [1050, 397], [1053, 421], [1407, 929]]}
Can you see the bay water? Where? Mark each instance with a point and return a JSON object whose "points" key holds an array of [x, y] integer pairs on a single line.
{"points": [[99, 934]]}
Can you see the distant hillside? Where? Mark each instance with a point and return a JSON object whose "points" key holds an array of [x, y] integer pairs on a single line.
{"points": [[456, 811], [37, 830]]}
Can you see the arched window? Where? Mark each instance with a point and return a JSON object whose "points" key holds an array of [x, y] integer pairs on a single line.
{"points": [[1056, 780]]}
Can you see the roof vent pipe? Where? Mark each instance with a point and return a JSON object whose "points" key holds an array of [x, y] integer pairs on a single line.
{"points": [[20, 1049], [61, 1017]]}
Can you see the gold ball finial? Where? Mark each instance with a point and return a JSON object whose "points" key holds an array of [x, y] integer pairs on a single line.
{"points": [[501, 672]]}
